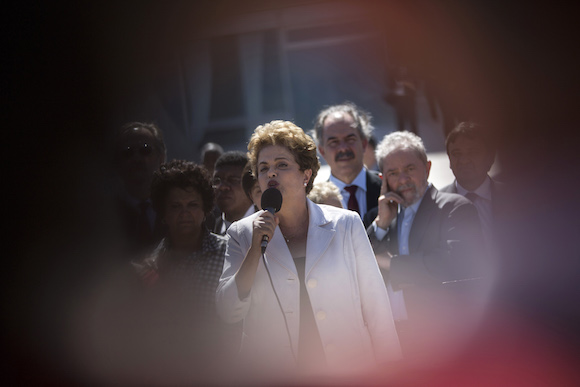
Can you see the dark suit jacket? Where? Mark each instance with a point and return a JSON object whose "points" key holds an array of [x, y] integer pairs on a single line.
{"points": [[374, 183], [444, 243], [136, 245], [496, 192]]}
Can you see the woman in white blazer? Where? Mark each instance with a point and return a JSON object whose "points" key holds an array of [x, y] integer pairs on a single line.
{"points": [[315, 301]]}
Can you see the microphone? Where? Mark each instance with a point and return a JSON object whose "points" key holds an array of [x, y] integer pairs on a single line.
{"points": [[271, 202]]}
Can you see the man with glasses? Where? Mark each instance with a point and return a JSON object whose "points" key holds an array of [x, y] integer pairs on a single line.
{"points": [[231, 199], [139, 151]]}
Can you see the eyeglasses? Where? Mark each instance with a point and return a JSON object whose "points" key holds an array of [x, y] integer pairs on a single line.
{"points": [[231, 181], [143, 150]]}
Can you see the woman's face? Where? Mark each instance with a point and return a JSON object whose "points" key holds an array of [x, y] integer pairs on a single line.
{"points": [[183, 211], [278, 169]]}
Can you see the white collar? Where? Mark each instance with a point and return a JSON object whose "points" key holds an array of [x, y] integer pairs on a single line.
{"points": [[250, 211], [484, 190], [360, 181]]}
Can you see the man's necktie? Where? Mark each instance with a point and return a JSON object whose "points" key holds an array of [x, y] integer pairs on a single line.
{"points": [[352, 202], [472, 196]]}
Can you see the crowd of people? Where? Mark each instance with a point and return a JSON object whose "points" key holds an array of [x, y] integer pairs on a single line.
{"points": [[373, 270]]}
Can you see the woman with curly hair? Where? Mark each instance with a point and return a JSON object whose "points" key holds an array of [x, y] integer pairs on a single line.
{"points": [[182, 274], [314, 301]]}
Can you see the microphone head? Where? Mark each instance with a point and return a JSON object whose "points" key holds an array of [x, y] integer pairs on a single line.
{"points": [[271, 199]]}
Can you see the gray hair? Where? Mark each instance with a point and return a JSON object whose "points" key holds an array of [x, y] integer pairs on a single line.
{"points": [[400, 140], [323, 190], [362, 120]]}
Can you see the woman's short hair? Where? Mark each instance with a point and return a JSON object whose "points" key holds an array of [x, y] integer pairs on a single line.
{"points": [[185, 175], [286, 134], [400, 140], [323, 190]]}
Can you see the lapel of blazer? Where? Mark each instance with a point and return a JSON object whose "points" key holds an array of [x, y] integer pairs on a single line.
{"points": [[420, 223], [320, 233], [279, 260]]}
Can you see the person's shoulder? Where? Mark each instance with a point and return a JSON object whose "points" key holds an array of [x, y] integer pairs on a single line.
{"points": [[340, 216], [333, 210], [450, 188], [217, 238], [244, 223], [216, 245], [370, 216], [374, 177], [451, 198], [333, 213]]}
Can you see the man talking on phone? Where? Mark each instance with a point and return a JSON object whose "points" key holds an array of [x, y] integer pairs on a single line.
{"points": [[426, 242]]}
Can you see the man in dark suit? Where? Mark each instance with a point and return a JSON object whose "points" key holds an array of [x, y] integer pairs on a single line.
{"points": [[426, 242], [471, 155], [342, 133], [230, 196], [138, 153]]}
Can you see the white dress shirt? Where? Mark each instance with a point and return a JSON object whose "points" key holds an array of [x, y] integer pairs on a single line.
{"points": [[405, 222], [226, 223], [361, 193]]}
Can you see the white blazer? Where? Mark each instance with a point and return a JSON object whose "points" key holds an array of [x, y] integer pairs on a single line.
{"points": [[346, 290]]}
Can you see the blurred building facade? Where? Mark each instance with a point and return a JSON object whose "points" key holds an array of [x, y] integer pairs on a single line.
{"points": [[238, 66]]}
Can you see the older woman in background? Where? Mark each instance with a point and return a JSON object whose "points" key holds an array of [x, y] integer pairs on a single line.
{"points": [[315, 302], [181, 276], [326, 192]]}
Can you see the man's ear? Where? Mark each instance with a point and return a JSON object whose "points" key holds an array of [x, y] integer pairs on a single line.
{"points": [[321, 150], [428, 165]]}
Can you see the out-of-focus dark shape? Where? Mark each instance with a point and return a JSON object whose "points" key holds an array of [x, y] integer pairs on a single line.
{"points": [[471, 153], [369, 158], [230, 196], [402, 96], [210, 152], [139, 151]]}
